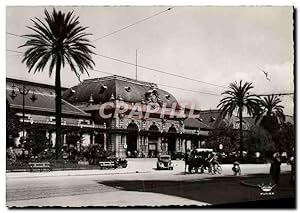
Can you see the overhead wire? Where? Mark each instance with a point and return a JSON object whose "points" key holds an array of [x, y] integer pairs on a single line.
{"points": [[160, 71], [140, 66], [13, 34], [14, 51], [135, 23], [149, 68], [206, 93], [179, 88]]}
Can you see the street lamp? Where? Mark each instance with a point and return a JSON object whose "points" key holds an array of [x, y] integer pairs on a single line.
{"points": [[220, 147], [23, 91]]}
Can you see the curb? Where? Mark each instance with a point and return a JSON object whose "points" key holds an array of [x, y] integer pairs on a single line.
{"points": [[245, 183], [61, 175]]}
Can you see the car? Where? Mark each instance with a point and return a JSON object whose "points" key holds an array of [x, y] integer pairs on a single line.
{"points": [[164, 162]]}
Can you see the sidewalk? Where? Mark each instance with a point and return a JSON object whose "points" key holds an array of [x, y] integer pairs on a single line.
{"points": [[134, 166], [146, 165]]}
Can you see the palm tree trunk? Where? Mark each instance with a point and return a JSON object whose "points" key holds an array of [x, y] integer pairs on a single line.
{"points": [[241, 135], [58, 144]]}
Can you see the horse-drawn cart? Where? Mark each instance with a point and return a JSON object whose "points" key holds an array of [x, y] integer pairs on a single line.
{"points": [[198, 161]]}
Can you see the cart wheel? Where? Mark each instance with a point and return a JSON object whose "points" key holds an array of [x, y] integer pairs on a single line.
{"points": [[219, 170], [192, 170]]}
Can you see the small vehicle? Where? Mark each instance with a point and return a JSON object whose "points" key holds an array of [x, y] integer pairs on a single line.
{"points": [[113, 162], [164, 162]]}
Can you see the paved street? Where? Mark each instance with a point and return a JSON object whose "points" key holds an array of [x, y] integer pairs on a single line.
{"points": [[138, 184]]}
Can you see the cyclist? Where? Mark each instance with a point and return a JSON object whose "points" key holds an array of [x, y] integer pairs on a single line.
{"points": [[213, 161]]}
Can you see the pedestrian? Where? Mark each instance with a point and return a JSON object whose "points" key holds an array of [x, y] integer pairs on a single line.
{"points": [[275, 168], [186, 159], [236, 168], [292, 162]]}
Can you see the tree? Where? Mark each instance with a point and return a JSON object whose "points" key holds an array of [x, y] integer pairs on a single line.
{"points": [[259, 140], [271, 113], [284, 138], [57, 41], [39, 142], [225, 135], [238, 99], [13, 125]]}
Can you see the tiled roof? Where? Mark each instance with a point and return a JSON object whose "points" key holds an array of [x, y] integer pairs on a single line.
{"points": [[102, 89], [45, 100], [212, 118], [194, 123]]}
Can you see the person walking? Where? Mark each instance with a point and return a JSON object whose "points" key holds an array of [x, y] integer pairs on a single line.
{"points": [[292, 162], [186, 159], [275, 168]]}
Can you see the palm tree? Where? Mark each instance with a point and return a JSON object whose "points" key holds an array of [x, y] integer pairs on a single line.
{"points": [[271, 113], [58, 40], [238, 99]]}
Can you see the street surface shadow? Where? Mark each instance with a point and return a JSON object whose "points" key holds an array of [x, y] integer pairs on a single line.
{"points": [[214, 190]]}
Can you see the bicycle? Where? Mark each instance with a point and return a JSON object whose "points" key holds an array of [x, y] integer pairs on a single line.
{"points": [[215, 169]]}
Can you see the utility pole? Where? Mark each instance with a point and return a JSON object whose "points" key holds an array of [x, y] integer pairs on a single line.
{"points": [[136, 72]]}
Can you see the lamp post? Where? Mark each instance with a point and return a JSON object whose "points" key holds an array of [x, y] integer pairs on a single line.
{"points": [[220, 147], [23, 91]]}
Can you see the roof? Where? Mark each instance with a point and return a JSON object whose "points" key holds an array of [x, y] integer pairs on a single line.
{"points": [[18, 81], [45, 101], [195, 123], [122, 88], [212, 118]]}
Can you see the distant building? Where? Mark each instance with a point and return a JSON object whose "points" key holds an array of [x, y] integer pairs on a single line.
{"points": [[40, 113]]}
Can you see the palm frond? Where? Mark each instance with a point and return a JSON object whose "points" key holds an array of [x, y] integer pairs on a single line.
{"points": [[58, 37]]}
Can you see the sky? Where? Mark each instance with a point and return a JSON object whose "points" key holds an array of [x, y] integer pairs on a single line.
{"points": [[217, 45]]}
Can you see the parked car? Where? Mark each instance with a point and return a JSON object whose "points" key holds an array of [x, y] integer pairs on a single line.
{"points": [[164, 162], [116, 162]]}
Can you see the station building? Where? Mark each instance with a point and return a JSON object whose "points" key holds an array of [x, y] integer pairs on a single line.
{"points": [[126, 116]]}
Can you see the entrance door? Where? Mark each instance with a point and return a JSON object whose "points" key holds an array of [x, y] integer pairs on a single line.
{"points": [[172, 141], [99, 139], [171, 145], [132, 140], [131, 144], [152, 147]]}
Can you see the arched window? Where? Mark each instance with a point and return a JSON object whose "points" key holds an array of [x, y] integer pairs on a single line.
{"points": [[172, 140], [132, 139], [153, 132], [172, 129], [132, 126]]}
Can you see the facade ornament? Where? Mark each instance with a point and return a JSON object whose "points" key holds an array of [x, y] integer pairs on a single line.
{"points": [[112, 97], [152, 97], [91, 101]]}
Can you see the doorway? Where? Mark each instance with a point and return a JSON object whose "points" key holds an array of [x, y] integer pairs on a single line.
{"points": [[132, 137]]}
